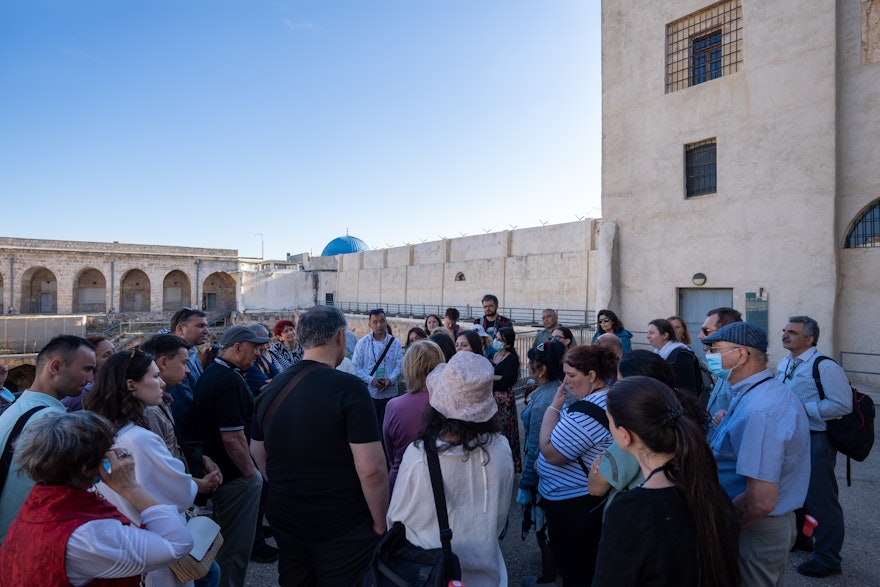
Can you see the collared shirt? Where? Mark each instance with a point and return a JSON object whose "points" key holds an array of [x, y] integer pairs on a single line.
{"points": [[719, 399], [764, 436], [18, 485], [543, 336], [797, 374], [194, 363], [367, 353]]}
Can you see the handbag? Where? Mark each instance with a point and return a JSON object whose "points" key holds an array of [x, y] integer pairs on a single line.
{"points": [[398, 563], [208, 540]]}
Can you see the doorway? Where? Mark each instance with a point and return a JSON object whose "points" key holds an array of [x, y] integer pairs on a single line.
{"points": [[693, 304]]}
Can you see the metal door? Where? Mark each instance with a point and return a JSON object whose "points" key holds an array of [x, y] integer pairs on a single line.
{"points": [[693, 303]]}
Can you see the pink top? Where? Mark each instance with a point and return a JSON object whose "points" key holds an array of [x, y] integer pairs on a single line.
{"points": [[403, 421]]}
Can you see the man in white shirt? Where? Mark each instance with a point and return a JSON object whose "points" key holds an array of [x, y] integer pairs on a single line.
{"points": [[64, 366], [377, 360], [795, 371]]}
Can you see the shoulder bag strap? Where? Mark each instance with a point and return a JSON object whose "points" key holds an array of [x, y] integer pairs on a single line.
{"points": [[597, 414], [816, 378], [282, 395], [382, 356], [442, 516], [9, 449]]}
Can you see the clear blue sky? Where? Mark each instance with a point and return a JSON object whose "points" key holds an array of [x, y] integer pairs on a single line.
{"points": [[202, 123]]}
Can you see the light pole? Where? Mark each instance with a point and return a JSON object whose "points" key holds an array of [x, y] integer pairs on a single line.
{"points": [[262, 250]]}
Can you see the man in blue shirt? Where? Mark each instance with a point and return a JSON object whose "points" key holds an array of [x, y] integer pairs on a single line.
{"points": [[762, 448], [795, 371]]}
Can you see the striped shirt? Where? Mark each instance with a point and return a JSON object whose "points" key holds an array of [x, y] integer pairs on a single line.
{"points": [[576, 435]]}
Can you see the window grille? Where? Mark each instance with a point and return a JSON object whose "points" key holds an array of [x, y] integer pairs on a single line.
{"points": [[866, 231], [704, 45], [700, 168]]}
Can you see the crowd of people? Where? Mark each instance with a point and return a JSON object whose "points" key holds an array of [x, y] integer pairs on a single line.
{"points": [[633, 469]]}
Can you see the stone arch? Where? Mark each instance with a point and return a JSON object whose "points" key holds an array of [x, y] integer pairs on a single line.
{"points": [[865, 229], [218, 292], [460, 276], [135, 292], [90, 292], [175, 291], [39, 291]]}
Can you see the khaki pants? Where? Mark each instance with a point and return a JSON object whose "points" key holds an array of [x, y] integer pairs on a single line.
{"points": [[763, 550]]}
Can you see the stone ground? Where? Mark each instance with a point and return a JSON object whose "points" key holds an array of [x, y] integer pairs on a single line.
{"points": [[861, 548]]}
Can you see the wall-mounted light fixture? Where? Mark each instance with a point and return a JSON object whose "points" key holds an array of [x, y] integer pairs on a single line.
{"points": [[699, 279]]}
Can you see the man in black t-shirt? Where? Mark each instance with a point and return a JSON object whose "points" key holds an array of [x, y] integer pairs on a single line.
{"points": [[224, 408], [321, 449]]}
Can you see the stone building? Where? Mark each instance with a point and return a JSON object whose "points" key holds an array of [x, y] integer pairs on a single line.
{"points": [[738, 163], [72, 277]]}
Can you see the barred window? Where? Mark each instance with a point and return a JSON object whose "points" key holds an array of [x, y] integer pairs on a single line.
{"points": [[866, 231], [700, 168], [704, 45]]}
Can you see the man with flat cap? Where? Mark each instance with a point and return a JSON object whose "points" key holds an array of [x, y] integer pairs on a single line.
{"points": [[762, 447], [224, 407]]}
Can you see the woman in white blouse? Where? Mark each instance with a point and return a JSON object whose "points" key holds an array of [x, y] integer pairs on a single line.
{"points": [[128, 383], [65, 531]]}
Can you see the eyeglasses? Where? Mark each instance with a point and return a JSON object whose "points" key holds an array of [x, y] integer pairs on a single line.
{"points": [[723, 350], [707, 331], [557, 337], [604, 320]]}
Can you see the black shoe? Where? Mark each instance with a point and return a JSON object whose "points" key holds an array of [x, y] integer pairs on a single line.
{"points": [[264, 554], [802, 543], [815, 568], [269, 533]]}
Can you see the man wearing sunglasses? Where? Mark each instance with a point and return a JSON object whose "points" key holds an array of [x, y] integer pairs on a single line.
{"points": [[762, 447], [719, 399]]}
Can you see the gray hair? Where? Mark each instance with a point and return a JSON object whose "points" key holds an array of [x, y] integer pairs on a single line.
{"points": [[259, 329], [811, 327], [61, 448], [318, 325]]}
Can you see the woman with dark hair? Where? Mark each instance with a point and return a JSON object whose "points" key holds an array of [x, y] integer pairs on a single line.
{"points": [[679, 526], [477, 470], [661, 336], [570, 439], [446, 344], [506, 363], [469, 341], [65, 532], [545, 367], [403, 415], [285, 350], [415, 334], [617, 470], [608, 322], [431, 322], [565, 336], [125, 387]]}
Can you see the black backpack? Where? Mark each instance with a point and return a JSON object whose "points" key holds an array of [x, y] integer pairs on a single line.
{"points": [[852, 434]]}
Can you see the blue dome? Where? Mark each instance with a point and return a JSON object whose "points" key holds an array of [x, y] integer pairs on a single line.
{"points": [[344, 244]]}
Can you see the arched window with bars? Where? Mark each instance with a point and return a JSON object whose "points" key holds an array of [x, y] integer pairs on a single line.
{"points": [[865, 232]]}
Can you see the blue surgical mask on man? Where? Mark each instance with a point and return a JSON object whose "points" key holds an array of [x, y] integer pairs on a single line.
{"points": [[713, 361]]}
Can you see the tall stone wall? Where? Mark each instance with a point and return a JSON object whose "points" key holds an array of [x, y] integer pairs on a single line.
{"points": [[548, 266]]}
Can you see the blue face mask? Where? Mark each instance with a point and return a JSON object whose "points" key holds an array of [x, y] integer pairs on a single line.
{"points": [[497, 345], [713, 361]]}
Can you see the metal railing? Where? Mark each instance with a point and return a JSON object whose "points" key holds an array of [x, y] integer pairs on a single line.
{"points": [[522, 316], [843, 354]]}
